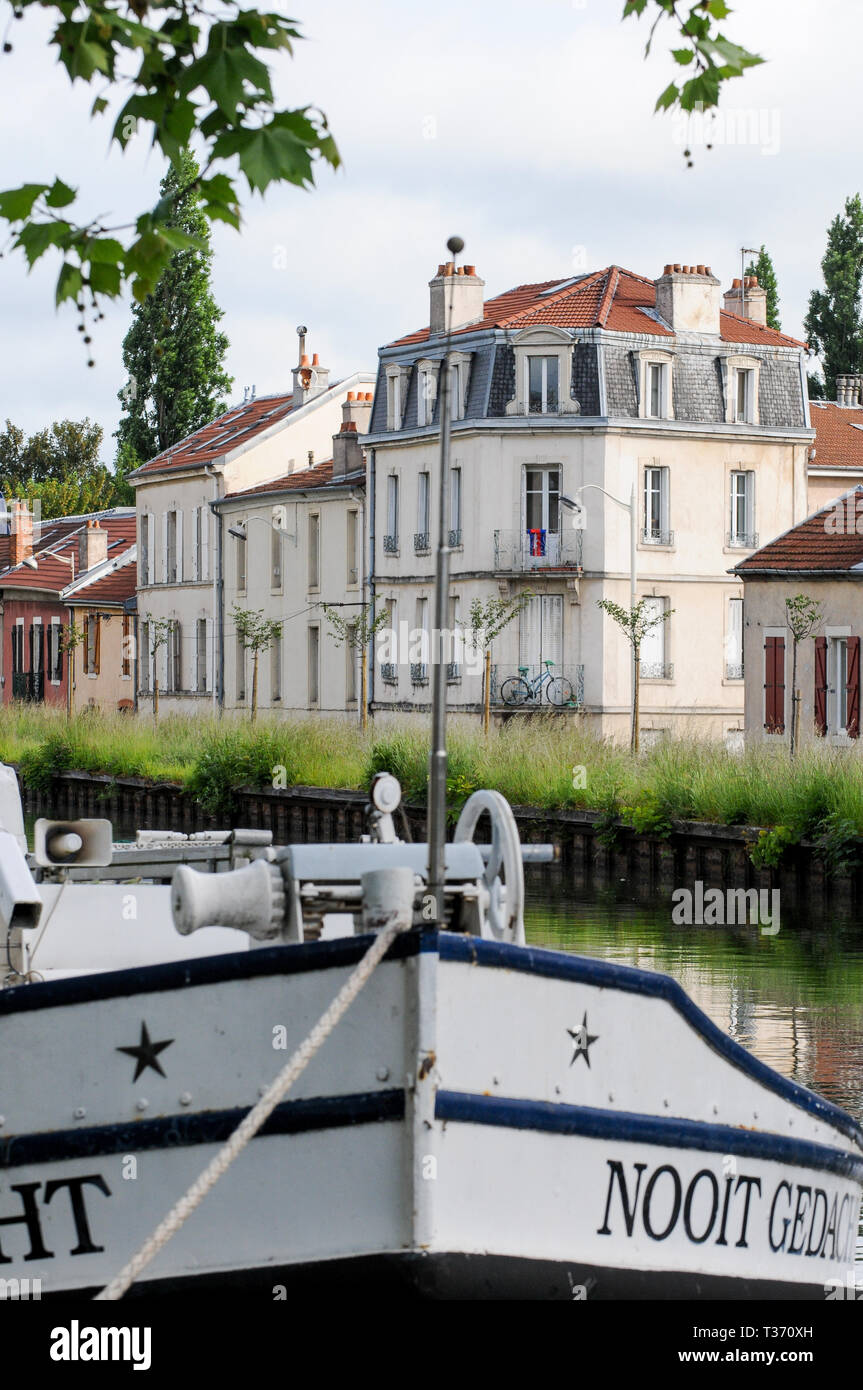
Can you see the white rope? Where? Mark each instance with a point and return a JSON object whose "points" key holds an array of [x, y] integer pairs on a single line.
{"points": [[252, 1121]]}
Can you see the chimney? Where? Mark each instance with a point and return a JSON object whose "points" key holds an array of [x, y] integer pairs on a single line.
{"points": [[357, 410], [687, 298], [746, 298], [21, 547], [310, 378], [465, 287], [348, 456], [92, 546], [849, 389]]}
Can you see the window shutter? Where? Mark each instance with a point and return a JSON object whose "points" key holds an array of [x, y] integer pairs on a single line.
{"points": [[204, 561], [179, 546], [821, 685], [97, 642], [853, 688], [750, 523], [196, 550], [208, 657], [664, 500], [164, 547], [86, 647], [774, 685], [151, 548]]}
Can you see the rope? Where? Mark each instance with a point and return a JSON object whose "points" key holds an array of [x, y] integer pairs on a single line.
{"points": [[252, 1121]]}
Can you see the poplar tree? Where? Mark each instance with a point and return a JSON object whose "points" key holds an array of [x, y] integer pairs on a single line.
{"points": [[174, 353], [763, 269], [833, 323]]}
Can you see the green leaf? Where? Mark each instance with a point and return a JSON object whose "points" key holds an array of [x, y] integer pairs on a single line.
{"points": [[103, 251], [60, 195], [718, 9], [181, 241], [683, 56], [35, 238], [69, 282], [224, 74], [105, 279], [667, 98], [99, 105], [16, 204]]}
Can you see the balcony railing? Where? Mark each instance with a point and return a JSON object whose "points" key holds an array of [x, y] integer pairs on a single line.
{"points": [[389, 673], [656, 537], [523, 551], [570, 697], [742, 540], [657, 670], [422, 542], [734, 670], [28, 685], [391, 545], [454, 540], [453, 672], [419, 673]]}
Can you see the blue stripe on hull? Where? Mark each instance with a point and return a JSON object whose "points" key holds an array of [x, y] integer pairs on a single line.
{"points": [[623, 1126]]}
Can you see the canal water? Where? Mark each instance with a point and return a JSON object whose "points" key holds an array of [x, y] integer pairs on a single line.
{"points": [[794, 999]]}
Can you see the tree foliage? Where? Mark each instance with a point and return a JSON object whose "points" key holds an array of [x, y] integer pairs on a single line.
{"points": [[833, 322], [181, 69], [173, 353], [709, 57], [763, 269], [60, 467]]}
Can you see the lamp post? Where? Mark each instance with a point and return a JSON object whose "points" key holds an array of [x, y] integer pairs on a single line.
{"points": [[632, 507]]}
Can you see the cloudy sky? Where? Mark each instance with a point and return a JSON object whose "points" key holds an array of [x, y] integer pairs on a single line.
{"points": [[525, 128]]}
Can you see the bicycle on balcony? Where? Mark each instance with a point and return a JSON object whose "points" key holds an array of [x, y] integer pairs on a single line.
{"points": [[524, 689]]}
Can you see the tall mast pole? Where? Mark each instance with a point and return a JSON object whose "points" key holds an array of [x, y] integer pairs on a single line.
{"points": [[436, 815]]}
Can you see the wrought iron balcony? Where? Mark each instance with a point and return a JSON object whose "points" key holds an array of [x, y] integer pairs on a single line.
{"points": [[453, 672], [419, 673], [653, 536], [657, 670], [454, 540], [389, 673], [523, 551], [422, 542], [28, 685], [741, 540], [734, 670], [391, 545], [529, 696]]}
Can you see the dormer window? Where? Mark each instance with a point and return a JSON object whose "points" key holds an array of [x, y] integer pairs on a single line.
{"points": [[397, 377], [741, 390], [426, 392], [655, 385], [543, 372], [460, 367]]}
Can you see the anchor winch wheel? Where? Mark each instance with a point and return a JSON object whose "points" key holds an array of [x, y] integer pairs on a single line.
{"points": [[504, 920]]}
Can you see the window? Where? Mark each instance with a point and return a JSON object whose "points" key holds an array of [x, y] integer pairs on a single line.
{"points": [[774, 684], [128, 643], [241, 561], [656, 389], [397, 378], [276, 669], [426, 394], [542, 385], [837, 685], [241, 671], [314, 665], [351, 657], [420, 644], [654, 644], [656, 530], [422, 539], [314, 551], [540, 633], [18, 647], [459, 368], [171, 548], [144, 563], [734, 641], [276, 548], [742, 535], [542, 505], [743, 411], [174, 675], [455, 507], [453, 669], [389, 669], [655, 400], [391, 539], [92, 635], [55, 652], [201, 655], [353, 568]]}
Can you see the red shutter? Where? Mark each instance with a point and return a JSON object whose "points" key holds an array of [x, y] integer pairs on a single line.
{"points": [[853, 687], [774, 685], [821, 685]]}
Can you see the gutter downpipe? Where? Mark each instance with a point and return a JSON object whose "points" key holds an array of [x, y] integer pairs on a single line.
{"points": [[370, 578], [219, 682]]}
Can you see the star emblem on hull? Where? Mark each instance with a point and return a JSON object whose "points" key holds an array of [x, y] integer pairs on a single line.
{"points": [[146, 1053], [582, 1040]]}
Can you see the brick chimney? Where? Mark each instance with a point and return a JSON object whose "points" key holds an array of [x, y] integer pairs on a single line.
{"points": [[465, 287], [357, 410], [747, 298], [92, 546], [310, 378], [348, 455], [687, 298], [21, 534], [849, 389]]}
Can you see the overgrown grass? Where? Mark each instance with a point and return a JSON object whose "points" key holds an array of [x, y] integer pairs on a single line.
{"points": [[535, 763]]}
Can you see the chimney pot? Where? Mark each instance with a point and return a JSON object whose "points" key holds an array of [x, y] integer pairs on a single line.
{"points": [[470, 270], [702, 270], [677, 269], [352, 396], [667, 269], [304, 360], [316, 362]]}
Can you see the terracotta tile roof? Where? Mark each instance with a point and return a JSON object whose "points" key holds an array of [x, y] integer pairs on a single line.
{"points": [[838, 435], [114, 587], [316, 476], [60, 539], [823, 542], [613, 298], [238, 425]]}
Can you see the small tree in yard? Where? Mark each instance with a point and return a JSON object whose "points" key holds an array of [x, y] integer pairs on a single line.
{"points": [[487, 620], [160, 636], [634, 623], [803, 615], [357, 633], [257, 634], [71, 638]]}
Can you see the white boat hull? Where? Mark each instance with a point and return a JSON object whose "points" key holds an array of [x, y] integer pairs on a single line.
{"points": [[486, 1121]]}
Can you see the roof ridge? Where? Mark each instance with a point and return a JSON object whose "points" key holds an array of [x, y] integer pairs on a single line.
{"points": [[567, 289], [608, 296]]}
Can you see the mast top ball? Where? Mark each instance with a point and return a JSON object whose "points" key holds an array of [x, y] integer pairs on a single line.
{"points": [[455, 245]]}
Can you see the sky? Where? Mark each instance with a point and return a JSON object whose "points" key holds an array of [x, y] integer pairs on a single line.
{"points": [[525, 129]]}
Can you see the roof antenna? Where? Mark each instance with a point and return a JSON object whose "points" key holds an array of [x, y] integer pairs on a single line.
{"points": [[436, 814]]}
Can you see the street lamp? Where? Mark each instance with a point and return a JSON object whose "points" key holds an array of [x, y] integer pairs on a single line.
{"points": [[631, 507]]}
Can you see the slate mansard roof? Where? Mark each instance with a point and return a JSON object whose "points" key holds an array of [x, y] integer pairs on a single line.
{"points": [[613, 301]]}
